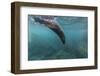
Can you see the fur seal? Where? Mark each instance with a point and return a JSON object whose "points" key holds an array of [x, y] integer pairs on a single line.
{"points": [[52, 24]]}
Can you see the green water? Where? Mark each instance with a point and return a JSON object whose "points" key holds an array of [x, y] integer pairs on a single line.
{"points": [[44, 44]]}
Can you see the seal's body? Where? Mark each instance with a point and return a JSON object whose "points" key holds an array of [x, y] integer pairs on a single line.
{"points": [[51, 23]]}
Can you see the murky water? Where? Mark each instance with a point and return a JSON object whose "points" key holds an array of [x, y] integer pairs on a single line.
{"points": [[44, 44]]}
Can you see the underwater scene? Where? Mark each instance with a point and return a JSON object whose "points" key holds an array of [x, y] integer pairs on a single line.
{"points": [[57, 37]]}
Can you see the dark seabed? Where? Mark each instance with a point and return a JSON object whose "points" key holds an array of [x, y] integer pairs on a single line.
{"points": [[44, 44]]}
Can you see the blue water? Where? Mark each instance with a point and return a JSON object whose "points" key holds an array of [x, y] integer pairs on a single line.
{"points": [[44, 44]]}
